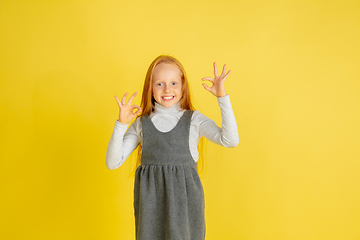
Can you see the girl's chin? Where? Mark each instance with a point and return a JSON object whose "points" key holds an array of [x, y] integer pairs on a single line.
{"points": [[167, 104]]}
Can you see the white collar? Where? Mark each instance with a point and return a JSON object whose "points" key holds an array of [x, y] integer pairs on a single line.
{"points": [[161, 109]]}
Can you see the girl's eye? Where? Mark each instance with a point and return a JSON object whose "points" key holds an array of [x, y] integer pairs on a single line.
{"points": [[159, 84], [174, 83]]}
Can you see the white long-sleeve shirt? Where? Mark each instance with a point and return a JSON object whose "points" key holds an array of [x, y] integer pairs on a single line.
{"points": [[122, 143]]}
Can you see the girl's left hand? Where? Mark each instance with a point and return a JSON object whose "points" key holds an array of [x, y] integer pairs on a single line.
{"points": [[217, 88]]}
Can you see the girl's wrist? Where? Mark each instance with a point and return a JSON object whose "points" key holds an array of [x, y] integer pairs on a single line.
{"points": [[122, 122], [223, 94]]}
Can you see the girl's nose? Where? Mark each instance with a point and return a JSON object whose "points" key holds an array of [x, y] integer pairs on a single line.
{"points": [[167, 87]]}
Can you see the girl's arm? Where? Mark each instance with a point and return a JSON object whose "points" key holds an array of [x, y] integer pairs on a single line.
{"points": [[227, 135], [123, 142]]}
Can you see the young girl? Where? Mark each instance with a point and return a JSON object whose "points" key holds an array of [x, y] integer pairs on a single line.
{"points": [[168, 194]]}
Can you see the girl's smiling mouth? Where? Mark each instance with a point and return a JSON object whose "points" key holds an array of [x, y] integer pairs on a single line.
{"points": [[168, 97]]}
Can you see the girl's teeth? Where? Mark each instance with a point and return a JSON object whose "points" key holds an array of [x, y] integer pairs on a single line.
{"points": [[167, 98]]}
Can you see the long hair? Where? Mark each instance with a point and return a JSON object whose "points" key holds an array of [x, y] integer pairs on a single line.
{"points": [[148, 102]]}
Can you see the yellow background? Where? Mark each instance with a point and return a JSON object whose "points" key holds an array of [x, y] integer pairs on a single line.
{"points": [[294, 88]]}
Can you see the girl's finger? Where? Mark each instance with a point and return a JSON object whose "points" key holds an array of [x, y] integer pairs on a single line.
{"points": [[206, 87], [132, 98], [223, 72], [227, 74], [123, 98], [137, 112], [207, 79], [136, 107], [118, 102], [215, 70]]}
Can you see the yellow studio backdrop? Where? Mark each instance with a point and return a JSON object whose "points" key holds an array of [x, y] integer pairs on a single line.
{"points": [[294, 86]]}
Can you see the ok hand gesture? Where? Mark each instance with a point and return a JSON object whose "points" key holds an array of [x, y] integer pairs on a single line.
{"points": [[217, 88], [126, 114]]}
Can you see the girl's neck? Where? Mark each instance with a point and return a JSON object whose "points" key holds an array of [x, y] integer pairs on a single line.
{"points": [[161, 109]]}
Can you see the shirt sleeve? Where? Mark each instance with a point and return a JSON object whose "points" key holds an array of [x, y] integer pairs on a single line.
{"points": [[122, 143], [227, 135]]}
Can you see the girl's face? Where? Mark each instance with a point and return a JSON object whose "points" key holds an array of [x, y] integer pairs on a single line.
{"points": [[166, 84]]}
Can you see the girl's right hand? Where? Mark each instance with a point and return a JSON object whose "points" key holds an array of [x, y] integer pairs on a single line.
{"points": [[126, 111]]}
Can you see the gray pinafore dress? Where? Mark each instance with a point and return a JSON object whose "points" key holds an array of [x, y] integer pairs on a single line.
{"points": [[168, 194]]}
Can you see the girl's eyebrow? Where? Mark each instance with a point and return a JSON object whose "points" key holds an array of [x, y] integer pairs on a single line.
{"points": [[156, 80]]}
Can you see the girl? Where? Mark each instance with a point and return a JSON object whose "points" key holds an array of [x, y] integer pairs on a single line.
{"points": [[168, 193]]}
